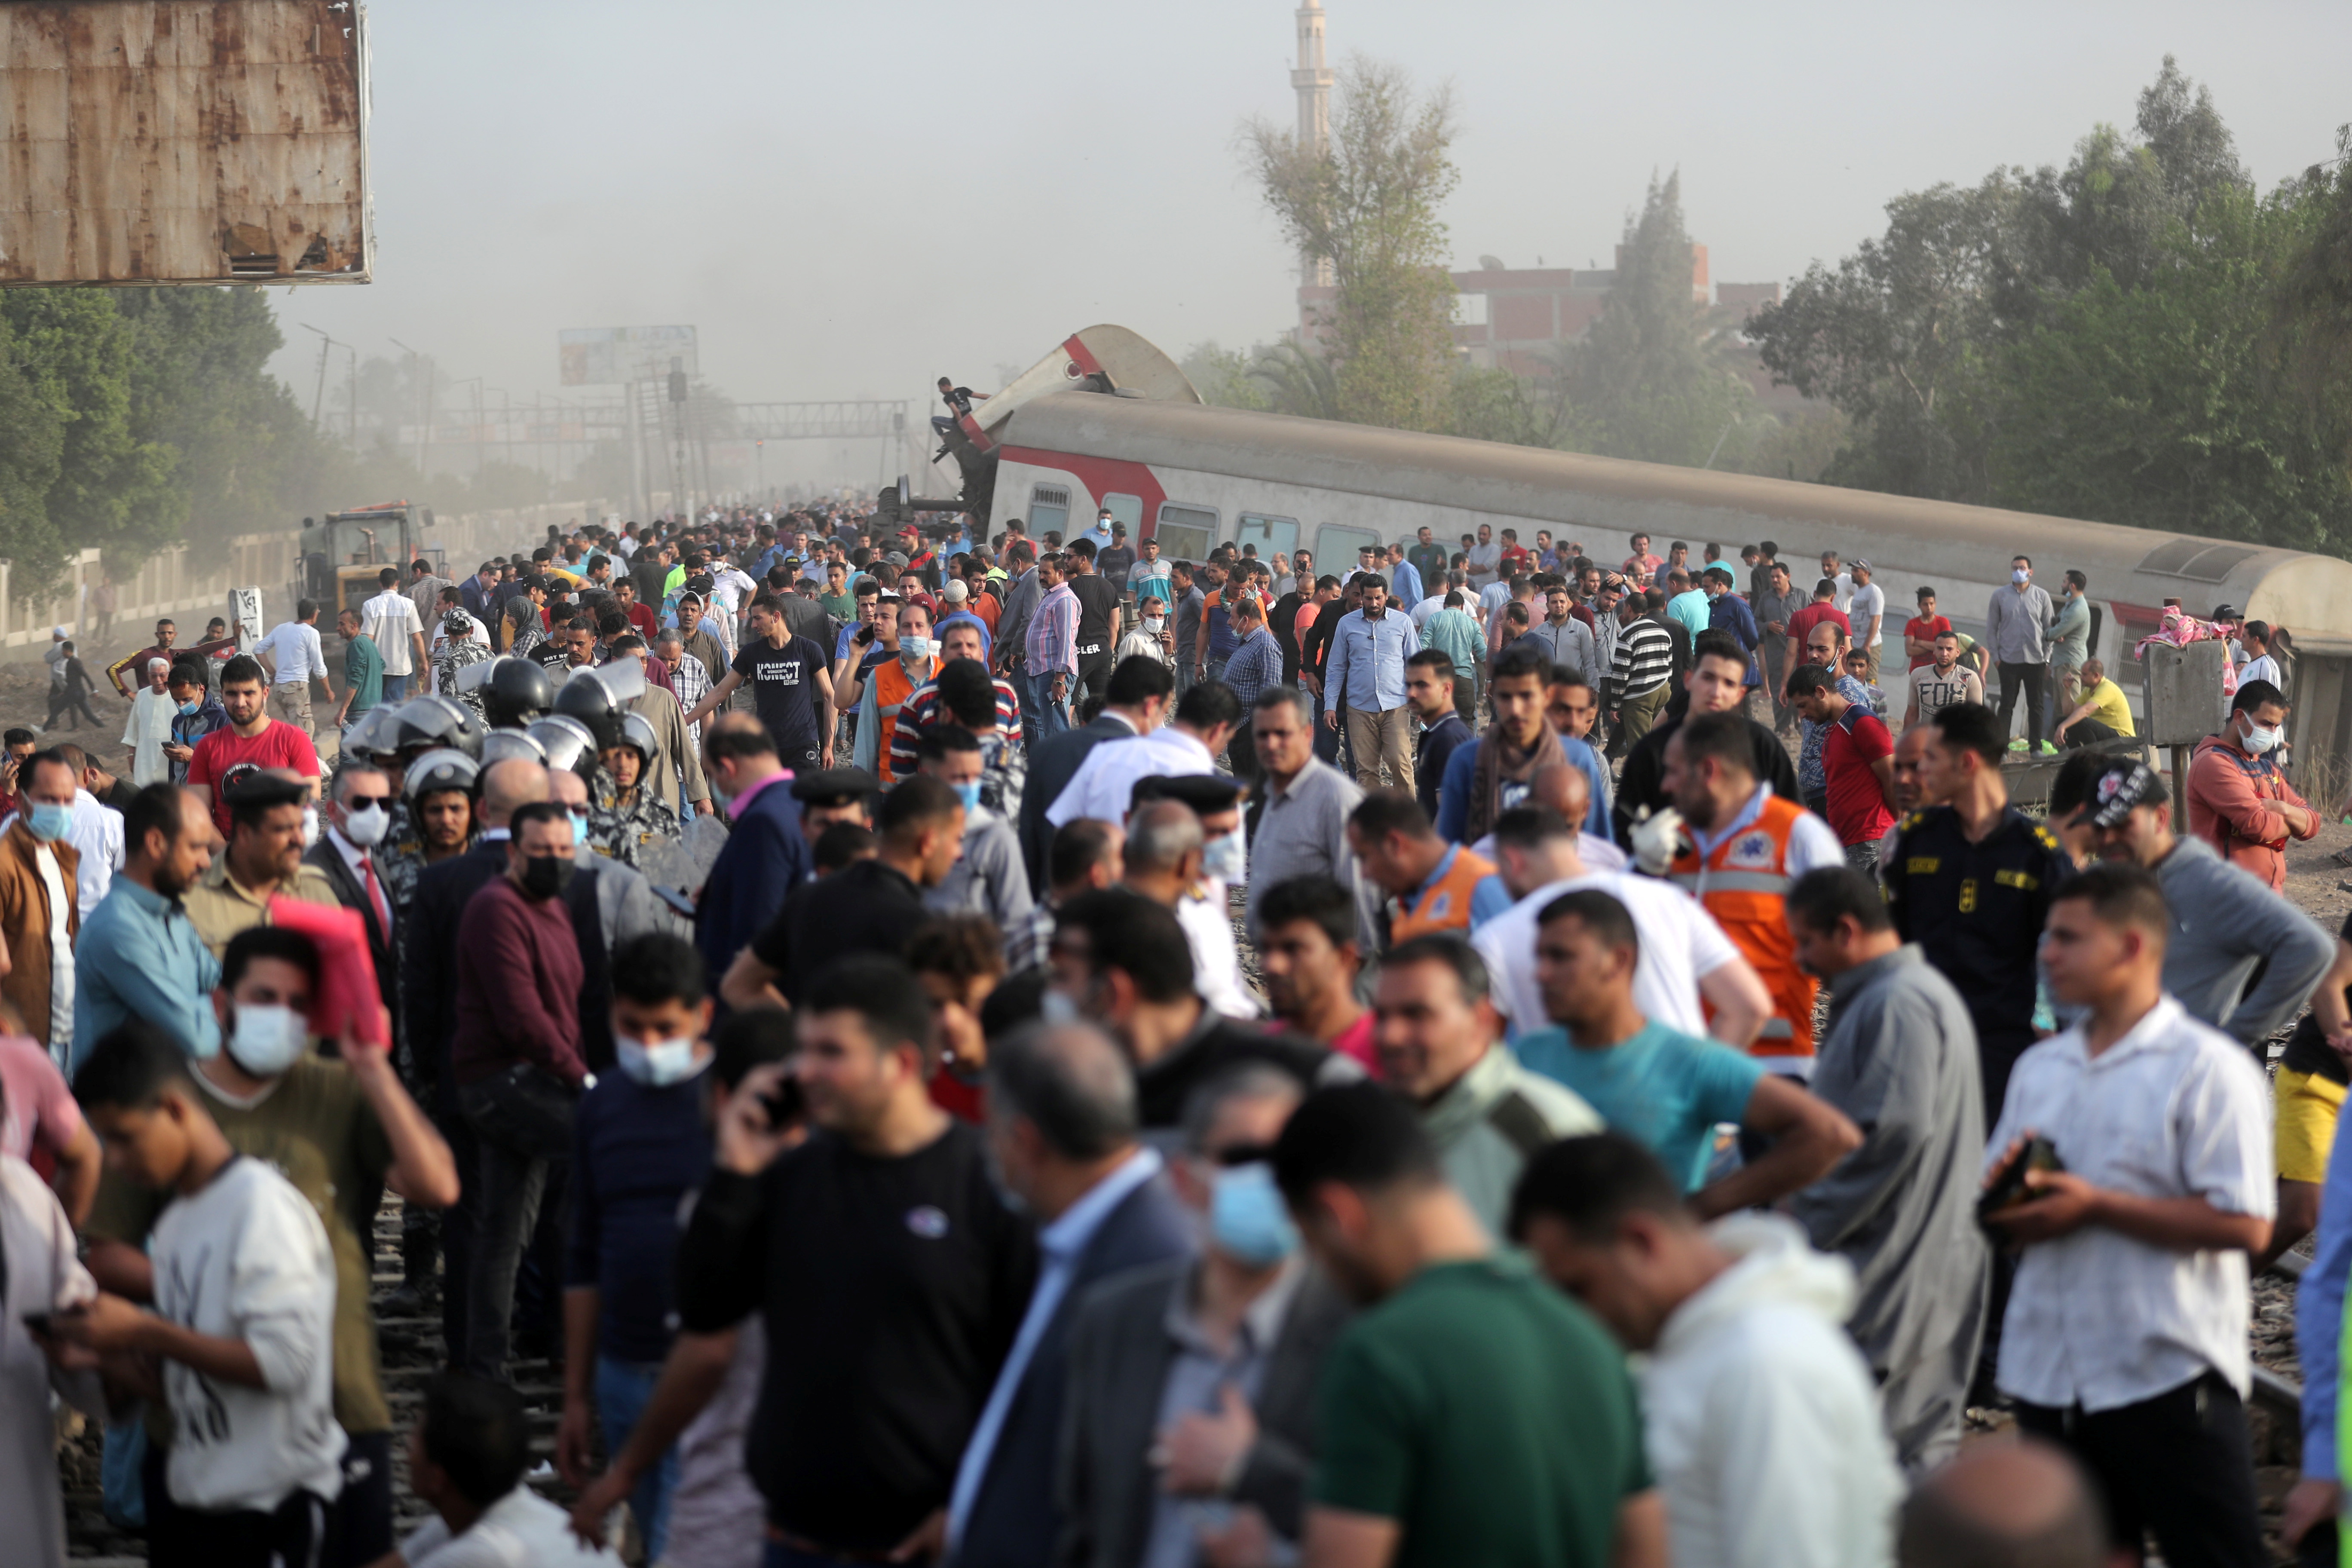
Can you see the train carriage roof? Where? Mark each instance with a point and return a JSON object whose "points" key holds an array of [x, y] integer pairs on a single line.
{"points": [[1907, 538]]}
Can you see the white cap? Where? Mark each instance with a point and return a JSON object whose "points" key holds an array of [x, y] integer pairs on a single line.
{"points": [[60, 631], [956, 593]]}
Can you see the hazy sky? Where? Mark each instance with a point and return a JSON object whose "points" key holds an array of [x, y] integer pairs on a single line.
{"points": [[848, 200]]}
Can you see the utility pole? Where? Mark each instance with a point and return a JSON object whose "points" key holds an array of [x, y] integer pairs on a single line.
{"points": [[416, 362]]}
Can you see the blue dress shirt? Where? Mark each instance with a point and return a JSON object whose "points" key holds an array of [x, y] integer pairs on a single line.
{"points": [[1367, 660], [138, 957]]}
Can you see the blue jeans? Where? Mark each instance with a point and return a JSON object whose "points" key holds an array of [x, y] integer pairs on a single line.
{"points": [[623, 1391], [1053, 717], [396, 687]]}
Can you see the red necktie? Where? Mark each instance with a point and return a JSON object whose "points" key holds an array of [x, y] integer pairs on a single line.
{"points": [[375, 894]]}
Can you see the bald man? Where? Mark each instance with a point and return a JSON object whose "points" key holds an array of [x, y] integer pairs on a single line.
{"points": [[1562, 789], [2005, 1503], [428, 990]]}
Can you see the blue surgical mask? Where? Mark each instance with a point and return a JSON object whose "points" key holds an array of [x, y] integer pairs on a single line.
{"points": [[657, 1064], [969, 794], [48, 820], [1248, 1219], [1225, 859], [189, 706]]}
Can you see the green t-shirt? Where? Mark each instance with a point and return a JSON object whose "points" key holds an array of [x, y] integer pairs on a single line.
{"points": [[363, 670], [840, 606], [1487, 1415], [317, 1130]]}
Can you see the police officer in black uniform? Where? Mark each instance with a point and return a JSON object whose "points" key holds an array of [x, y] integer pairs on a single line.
{"points": [[1970, 878]]}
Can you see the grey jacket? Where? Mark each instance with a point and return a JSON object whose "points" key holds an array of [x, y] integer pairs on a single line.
{"points": [[1120, 1354], [1900, 1059], [1572, 644], [2226, 925], [1489, 1123], [1012, 625], [990, 880]]}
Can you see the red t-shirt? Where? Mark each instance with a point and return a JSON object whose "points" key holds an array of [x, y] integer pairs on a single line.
{"points": [[1801, 624], [281, 745], [1513, 560], [643, 620], [1857, 807], [1927, 628]]}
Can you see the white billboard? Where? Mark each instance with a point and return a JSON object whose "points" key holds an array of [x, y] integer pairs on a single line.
{"points": [[612, 356]]}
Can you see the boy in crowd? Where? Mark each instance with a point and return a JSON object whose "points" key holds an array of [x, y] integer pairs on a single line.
{"points": [[240, 1346]]}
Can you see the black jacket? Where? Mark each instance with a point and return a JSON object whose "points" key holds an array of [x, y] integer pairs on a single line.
{"points": [[1642, 781], [384, 943], [1013, 1522], [428, 963], [1053, 763]]}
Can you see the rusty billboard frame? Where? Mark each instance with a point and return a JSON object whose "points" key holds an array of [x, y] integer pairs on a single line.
{"points": [[184, 142]]}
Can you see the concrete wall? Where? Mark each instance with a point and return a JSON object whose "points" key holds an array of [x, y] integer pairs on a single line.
{"points": [[194, 581]]}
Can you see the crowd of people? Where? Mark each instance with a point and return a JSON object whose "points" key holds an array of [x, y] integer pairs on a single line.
{"points": [[1005, 1050]]}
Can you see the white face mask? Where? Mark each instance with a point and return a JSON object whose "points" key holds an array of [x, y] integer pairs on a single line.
{"points": [[1225, 859], [266, 1041], [2260, 741], [1154, 623], [367, 828], [309, 826], [657, 1063], [2018, 574]]}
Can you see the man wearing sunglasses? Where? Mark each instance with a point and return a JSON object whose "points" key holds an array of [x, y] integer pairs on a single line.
{"points": [[358, 819]]}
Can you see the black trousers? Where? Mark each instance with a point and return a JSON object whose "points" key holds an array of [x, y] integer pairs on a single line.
{"points": [[2026, 679], [297, 1534], [522, 1123], [2088, 733], [2179, 1466]]}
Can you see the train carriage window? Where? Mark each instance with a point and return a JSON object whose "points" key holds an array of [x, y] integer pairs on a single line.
{"points": [[1049, 509], [1270, 535], [1335, 547], [1185, 532], [1128, 509]]}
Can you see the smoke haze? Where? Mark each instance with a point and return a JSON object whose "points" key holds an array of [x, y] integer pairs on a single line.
{"points": [[849, 200]]}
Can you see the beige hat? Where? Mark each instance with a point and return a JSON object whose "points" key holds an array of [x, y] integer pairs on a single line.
{"points": [[956, 592]]}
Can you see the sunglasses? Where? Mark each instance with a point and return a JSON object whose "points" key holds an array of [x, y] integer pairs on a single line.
{"points": [[363, 802]]}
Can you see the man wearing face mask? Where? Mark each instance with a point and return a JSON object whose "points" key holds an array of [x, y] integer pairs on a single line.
{"points": [[515, 1058], [270, 822], [1191, 1402], [990, 877], [38, 915], [885, 679], [1166, 859], [359, 815], [196, 713], [340, 1130], [639, 1148], [2238, 801]]}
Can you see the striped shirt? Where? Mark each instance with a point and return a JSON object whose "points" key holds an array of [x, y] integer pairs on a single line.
{"points": [[1053, 641], [921, 711], [1255, 665], [691, 683], [1644, 657]]}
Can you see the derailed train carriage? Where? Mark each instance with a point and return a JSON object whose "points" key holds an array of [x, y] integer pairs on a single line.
{"points": [[1121, 428]]}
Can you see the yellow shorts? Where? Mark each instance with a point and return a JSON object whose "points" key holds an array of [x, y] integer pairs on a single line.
{"points": [[2306, 1106]]}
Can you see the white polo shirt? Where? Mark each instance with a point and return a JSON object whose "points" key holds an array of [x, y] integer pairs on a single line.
{"points": [[1680, 942], [2173, 1110], [391, 620]]}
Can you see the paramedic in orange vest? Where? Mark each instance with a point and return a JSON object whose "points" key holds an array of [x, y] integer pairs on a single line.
{"points": [[1437, 885], [886, 677], [1751, 846]]}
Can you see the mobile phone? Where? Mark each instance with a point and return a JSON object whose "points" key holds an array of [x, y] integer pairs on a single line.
{"points": [[39, 1323], [2008, 1189], [782, 1104], [675, 900]]}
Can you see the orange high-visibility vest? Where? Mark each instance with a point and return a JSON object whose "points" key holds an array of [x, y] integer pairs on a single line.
{"points": [[892, 687], [1744, 884], [1445, 904]]}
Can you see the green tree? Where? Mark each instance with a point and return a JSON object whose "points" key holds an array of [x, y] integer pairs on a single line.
{"points": [[1223, 376], [1649, 380], [113, 486], [1368, 206]]}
